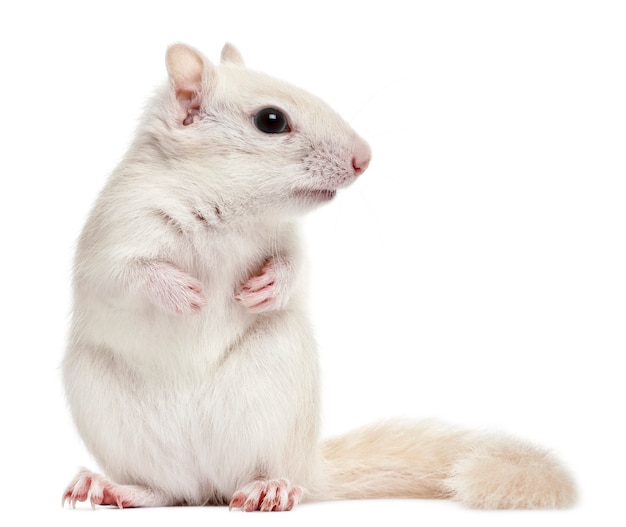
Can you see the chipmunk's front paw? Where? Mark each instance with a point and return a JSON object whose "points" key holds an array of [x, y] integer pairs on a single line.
{"points": [[173, 289], [269, 290]]}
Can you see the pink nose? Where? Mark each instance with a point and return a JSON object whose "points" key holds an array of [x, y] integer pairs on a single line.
{"points": [[360, 165], [361, 158]]}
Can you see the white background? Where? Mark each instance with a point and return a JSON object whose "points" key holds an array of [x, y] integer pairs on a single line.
{"points": [[475, 273]]}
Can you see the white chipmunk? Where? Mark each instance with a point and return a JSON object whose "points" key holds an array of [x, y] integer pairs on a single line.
{"points": [[191, 370]]}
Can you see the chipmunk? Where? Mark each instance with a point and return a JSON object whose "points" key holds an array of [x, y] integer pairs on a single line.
{"points": [[191, 370]]}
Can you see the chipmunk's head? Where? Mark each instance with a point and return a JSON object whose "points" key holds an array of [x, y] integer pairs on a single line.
{"points": [[264, 144]]}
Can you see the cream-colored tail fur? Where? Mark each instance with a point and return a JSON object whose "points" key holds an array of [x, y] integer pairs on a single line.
{"points": [[427, 460]]}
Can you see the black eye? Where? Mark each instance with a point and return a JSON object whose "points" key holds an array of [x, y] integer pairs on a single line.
{"points": [[271, 121]]}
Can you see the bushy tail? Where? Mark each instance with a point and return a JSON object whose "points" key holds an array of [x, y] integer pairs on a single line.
{"points": [[428, 460]]}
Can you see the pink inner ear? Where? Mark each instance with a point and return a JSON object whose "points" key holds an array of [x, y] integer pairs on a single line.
{"points": [[188, 99], [188, 103], [186, 68]]}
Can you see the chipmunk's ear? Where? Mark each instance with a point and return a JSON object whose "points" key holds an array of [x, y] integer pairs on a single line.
{"points": [[190, 76], [231, 55]]}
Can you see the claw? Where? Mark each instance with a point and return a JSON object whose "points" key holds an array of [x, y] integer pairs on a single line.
{"points": [[97, 490], [266, 495]]}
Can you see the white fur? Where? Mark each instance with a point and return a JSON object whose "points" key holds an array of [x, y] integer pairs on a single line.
{"points": [[191, 370]]}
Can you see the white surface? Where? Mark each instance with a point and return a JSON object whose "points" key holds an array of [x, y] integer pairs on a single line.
{"points": [[476, 272]]}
